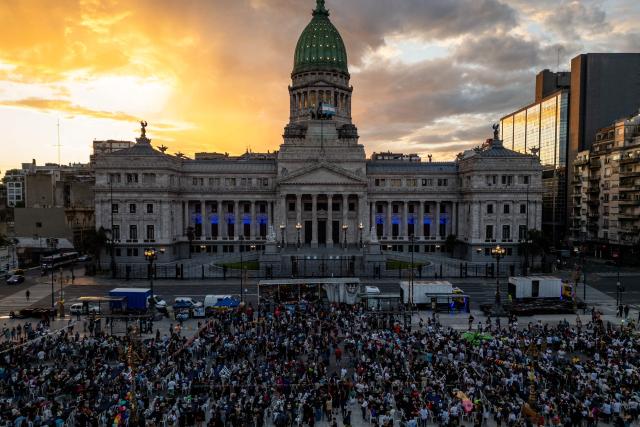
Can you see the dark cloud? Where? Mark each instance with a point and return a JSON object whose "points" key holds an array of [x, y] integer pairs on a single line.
{"points": [[502, 52]]}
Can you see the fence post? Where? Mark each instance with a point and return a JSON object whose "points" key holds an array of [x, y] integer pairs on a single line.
{"points": [[203, 272], [441, 271]]}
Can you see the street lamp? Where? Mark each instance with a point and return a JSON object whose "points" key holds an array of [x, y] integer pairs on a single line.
{"points": [[498, 252], [282, 227], [252, 248], [361, 227], [345, 227], [298, 228], [412, 240], [151, 255]]}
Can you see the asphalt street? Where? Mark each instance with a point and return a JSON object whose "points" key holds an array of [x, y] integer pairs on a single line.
{"points": [[481, 291]]}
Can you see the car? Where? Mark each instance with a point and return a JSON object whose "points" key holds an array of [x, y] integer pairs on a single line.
{"points": [[15, 280], [187, 302], [158, 302], [78, 308], [84, 258]]}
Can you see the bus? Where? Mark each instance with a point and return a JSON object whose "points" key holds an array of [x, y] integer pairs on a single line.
{"points": [[52, 262]]}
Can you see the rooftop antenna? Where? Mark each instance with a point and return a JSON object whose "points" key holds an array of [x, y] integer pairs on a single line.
{"points": [[58, 145]]}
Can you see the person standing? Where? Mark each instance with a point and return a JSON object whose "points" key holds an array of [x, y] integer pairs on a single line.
{"points": [[28, 295], [626, 311]]}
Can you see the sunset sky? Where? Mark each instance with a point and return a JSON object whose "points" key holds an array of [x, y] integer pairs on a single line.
{"points": [[430, 76]]}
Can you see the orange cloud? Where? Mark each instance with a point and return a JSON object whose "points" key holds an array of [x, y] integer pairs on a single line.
{"points": [[56, 105]]}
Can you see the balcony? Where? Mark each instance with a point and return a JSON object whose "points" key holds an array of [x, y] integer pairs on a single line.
{"points": [[595, 164], [629, 188], [630, 174], [630, 160], [629, 202]]}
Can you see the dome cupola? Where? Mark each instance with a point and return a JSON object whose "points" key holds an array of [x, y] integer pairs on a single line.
{"points": [[320, 47]]}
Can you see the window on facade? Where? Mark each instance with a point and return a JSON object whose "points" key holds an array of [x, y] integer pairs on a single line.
{"points": [[506, 208], [150, 232], [522, 232], [412, 208], [265, 182], [263, 208], [428, 182], [379, 209], [352, 207], [506, 232], [380, 182], [308, 207], [443, 182], [489, 232], [411, 182], [118, 252], [492, 179], [507, 179], [396, 182], [243, 182], [523, 208], [114, 178], [490, 208], [132, 252], [115, 208], [148, 178], [230, 182], [132, 178], [149, 208], [115, 233], [132, 208], [292, 206], [133, 232], [396, 208]]}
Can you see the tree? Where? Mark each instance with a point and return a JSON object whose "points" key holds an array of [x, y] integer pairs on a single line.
{"points": [[538, 245], [191, 236], [94, 242], [4, 240], [450, 244]]}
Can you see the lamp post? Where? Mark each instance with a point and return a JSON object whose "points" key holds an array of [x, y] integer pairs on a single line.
{"points": [[282, 227], [361, 227], [252, 247], [298, 228], [345, 227], [412, 240], [498, 252], [151, 255]]}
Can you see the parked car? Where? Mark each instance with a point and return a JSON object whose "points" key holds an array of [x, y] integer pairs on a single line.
{"points": [[187, 301], [15, 280], [77, 309], [84, 258], [159, 303]]}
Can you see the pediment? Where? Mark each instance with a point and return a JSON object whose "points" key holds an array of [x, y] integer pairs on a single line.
{"points": [[323, 174]]}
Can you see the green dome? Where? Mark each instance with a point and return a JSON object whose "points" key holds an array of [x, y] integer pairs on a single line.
{"points": [[320, 47]]}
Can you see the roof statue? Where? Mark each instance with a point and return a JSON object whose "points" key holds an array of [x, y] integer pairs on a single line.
{"points": [[143, 129], [496, 131]]}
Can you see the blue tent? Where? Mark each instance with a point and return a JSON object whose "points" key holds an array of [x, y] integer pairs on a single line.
{"points": [[228, 303]]}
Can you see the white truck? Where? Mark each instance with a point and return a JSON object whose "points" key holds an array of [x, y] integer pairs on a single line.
{"points": [[537, 287], [424, 292]]}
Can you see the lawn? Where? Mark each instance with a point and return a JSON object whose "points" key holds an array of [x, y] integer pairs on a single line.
{"points": [[393, 264]]}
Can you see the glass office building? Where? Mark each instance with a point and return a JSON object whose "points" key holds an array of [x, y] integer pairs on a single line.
{"points": [[542, 128]]}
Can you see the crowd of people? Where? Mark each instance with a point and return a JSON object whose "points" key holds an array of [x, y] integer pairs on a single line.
{"points": [[310, 364]]}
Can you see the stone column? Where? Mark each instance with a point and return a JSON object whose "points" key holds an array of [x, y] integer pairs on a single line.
{"points": [[454, 218], [298, 209], [420, 222], [345, 211], [314, 221], [238, 222], [203, 220], [389, 226], [437, 221], [404, 231], [372, 216], [330, 220], [363, 218], [254, 224], [183, 218]]}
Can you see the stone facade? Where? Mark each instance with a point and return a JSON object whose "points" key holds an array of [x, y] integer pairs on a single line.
{"points": [[318, 192]]}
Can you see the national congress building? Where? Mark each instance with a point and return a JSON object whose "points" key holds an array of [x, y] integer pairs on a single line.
{"points": [[318, 192]]}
